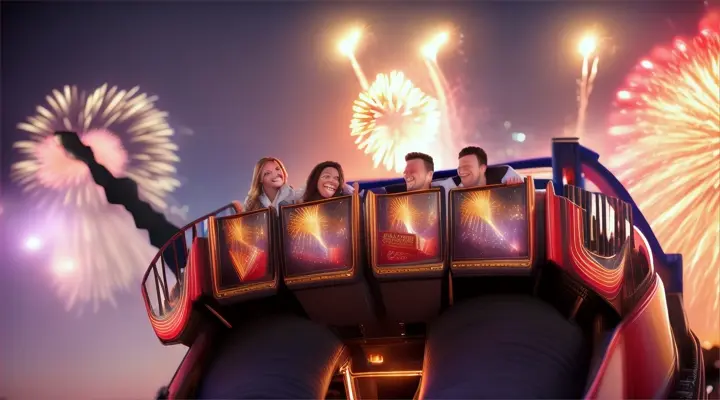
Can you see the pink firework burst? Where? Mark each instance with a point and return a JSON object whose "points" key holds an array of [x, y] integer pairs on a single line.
{"points": [[58, 170]]}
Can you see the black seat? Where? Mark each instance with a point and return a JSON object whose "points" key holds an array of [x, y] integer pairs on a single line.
{"points": [[396, 188], [501, 347], [275, 357]]}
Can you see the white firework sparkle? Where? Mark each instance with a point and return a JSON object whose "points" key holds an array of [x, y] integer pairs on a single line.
{"points": [[394, 117]]}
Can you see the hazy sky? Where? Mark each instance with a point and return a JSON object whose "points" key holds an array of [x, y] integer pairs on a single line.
{"points": [[249, 79]]}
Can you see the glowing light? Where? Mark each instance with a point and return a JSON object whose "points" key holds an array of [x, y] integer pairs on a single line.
{"points": [[347, 46], [478, 208], [393, 118], [588, 49], [306, 223], [518, 137], [63, 267], [588, 45], [33, 243], [669, 159], [131, 138], [402, 213], [431, 49], [242, 253], [624, 95]]}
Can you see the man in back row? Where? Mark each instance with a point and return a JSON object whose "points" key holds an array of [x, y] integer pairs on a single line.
{"points": [[472, 171]]}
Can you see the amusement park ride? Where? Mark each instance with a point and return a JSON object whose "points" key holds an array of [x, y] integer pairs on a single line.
{"points": [[407, 281]]}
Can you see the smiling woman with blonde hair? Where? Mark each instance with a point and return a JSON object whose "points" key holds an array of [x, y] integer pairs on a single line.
{"points": [[269, 185]]}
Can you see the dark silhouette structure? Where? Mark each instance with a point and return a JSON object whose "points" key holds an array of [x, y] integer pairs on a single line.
{"points": [[124, 191]]}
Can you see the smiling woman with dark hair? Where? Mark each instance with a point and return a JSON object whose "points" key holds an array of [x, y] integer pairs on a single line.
{"points": [[326, 180]]}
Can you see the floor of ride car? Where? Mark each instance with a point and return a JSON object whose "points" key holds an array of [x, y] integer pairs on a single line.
{"points": [[397, 388], [390, 389]]}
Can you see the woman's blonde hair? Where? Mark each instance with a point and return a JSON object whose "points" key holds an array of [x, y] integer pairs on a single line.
{"points": [[256, 189]]}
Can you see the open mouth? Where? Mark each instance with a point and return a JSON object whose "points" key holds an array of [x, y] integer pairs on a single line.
{"points": [[330, 188]]}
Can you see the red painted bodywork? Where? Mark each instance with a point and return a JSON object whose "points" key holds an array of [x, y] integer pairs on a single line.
{"points": [[641, 359]]}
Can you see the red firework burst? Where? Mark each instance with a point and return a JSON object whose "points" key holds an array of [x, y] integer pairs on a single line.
{"points": [[667, 126]]}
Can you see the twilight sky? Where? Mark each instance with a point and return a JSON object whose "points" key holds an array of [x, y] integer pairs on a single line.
{"points": [[246, 79]]}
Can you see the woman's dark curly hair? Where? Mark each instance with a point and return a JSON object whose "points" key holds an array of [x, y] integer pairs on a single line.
{"points": [[311, 187]]}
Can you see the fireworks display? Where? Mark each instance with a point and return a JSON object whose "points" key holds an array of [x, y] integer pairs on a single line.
{"points": [[318, 237], [402, 213], [243, 253], [588, 49], [393, 117], [667, 125], [307, 224], [494, 220], [96, 248], [478, 208]]}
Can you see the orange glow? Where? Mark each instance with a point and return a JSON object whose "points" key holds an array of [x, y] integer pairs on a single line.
{"points": [[588, 45], [242, 253], [431, 49], [375, 359], [308, 222], [401, 212], [347, 46]]}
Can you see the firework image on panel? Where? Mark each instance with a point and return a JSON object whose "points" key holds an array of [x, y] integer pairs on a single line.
{"points": [[408, 228], [243, 245], [491, 224], [318, 237]]}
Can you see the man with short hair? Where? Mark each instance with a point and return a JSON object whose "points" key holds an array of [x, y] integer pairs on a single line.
{"points": [[472, 170], [418, 172]]}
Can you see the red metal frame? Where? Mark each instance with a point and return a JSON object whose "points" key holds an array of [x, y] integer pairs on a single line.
{"points": [[566, 249]]}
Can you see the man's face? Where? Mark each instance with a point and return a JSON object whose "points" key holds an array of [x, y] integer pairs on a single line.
{"points": [[470, 170], [416, 176]]}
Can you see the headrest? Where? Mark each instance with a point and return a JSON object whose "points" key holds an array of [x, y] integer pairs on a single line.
{"points": [[396, 188], [495, 174]]}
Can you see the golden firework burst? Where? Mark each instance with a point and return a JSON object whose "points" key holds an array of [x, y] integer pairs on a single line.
{"points": [[392, 118]]}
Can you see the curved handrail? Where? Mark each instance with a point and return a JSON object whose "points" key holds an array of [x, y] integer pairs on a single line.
{"points": [[180, 236], [608, 183]]}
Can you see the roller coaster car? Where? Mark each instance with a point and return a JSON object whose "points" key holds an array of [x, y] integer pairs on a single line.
{"points": [[492, 292]]}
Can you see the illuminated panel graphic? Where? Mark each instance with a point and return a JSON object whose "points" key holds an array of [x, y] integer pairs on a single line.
{"points": [[241, 253], [318, 239], [491, 226], [407, 231]]}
